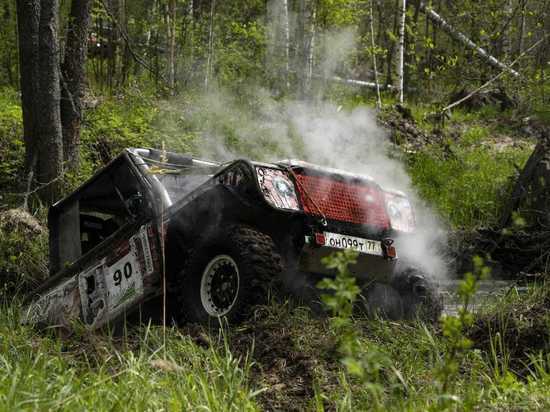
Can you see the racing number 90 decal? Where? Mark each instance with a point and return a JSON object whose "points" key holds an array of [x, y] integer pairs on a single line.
{"points": [[126, 272], [124, 281]]}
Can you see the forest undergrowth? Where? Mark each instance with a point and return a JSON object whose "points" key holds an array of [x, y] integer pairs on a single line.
{"points": [[285, 358]]}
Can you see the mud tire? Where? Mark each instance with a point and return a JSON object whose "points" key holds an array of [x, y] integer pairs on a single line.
{"points": [[258, 264], [419, 295]]}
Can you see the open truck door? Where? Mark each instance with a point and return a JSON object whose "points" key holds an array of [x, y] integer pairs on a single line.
{"points": [[104, 250]]}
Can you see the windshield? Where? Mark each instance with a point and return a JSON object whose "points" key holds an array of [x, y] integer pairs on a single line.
{"points": [[178, 186], [178, 178]]}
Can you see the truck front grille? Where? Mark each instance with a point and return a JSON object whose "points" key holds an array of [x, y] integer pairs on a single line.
{"points": [[347, 202]]}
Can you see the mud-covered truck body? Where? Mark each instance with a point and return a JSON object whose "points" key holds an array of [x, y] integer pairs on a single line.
{"points": [[211, 237]]}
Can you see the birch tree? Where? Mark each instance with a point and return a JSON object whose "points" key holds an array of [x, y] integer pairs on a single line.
{"points": [[401, 64], [373, 52], [305, 40], [210, 57], [286, 33], [171, 34]]}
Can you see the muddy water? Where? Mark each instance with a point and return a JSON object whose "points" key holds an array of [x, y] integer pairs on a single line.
{"points": [[488, 290]]}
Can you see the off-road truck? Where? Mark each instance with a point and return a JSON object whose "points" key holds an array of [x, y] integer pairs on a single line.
{"points": [[209, 237]]}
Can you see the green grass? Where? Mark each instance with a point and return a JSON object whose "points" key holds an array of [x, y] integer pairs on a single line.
{"points": [[138, 372], [283, 357], [466, 185]]}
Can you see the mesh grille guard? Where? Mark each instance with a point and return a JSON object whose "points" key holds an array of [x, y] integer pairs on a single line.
{"points": [[361, 204]]}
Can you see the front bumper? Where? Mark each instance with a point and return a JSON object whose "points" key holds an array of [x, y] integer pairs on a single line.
{"points": [[367, 267]]}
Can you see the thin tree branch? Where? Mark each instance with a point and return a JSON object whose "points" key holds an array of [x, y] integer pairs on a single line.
{"points": [[490, 81], [26, 195], [135, 56]]}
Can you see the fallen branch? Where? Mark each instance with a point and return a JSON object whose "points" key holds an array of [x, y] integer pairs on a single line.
{"points": [[354, 82], [461, 38], [26, 194]]}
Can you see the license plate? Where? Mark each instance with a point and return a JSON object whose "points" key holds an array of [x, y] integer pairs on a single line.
{"points": [[338, 241]]}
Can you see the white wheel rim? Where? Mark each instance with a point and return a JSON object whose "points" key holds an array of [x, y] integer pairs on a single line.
{"points": [[220, 283]]}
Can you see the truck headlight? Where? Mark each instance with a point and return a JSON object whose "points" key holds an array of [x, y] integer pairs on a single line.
{"points": [[400, 212], [277, 188]]}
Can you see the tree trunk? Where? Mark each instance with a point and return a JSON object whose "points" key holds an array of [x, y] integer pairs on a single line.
{"points": [[401, 66], [532, 188], [171, 25], [209, 58], [73, 80], [354, 82], [373, 51], [286, 31], [28, 17], [50, 159], [521, 34], [507, 34], [391, 48], [305, 39], [311, 49], [126, 56], [113, 39]]}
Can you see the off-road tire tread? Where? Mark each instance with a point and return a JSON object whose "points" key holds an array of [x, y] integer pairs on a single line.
{"points": [[259, 266], [427, 307]]}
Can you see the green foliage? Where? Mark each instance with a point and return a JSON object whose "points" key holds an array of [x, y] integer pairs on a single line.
{"points": [[134, 120], [474, 136], [12, 147], [242, 55], [8, 44], [367, 365]]}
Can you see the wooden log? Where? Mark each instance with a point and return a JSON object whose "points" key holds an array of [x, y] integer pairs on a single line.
{"points": [[354, 82]]}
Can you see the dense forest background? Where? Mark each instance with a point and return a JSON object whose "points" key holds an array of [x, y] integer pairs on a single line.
{"points": [[448, 100], [84, 55]]}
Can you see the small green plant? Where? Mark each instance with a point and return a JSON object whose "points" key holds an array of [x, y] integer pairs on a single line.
{"points": [[366, 366], [454, 330], [474, 136]]}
